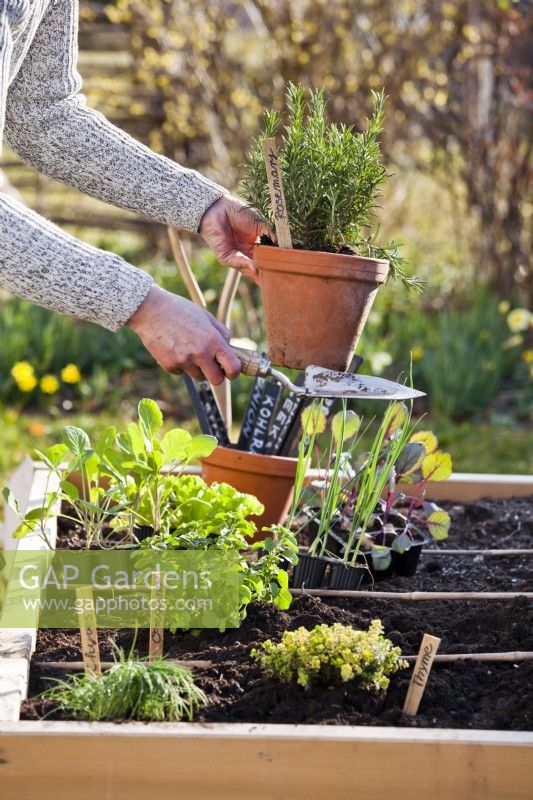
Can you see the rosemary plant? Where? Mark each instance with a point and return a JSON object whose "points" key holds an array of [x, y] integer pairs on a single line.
{"points": [[332, 177]]}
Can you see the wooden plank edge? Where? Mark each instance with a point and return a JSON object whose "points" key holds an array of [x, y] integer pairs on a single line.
{"points": [[282, 761], [239, 730], [467, 487], [17, 645]]}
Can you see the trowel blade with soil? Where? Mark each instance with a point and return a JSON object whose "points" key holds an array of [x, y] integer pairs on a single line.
{"points": [[320, 382]]}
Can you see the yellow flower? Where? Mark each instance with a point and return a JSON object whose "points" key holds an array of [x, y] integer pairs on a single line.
{"points": [[504, 306], [21, 370], [49, 384], [527, 356], [519, 319], [417, 353], [70, 374], [26, 383]]}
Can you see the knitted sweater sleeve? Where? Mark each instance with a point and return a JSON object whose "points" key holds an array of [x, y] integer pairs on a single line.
{"points": [[48, 125]]}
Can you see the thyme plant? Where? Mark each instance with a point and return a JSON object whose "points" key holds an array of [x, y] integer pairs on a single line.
{"points": [[332, 177], [332, 654]]}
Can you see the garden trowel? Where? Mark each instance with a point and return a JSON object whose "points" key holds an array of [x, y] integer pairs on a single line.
{"points": [[321, 382]]}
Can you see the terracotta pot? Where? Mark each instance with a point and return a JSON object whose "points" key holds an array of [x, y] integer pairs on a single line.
{"points": [[269, 478], [315, 304]]}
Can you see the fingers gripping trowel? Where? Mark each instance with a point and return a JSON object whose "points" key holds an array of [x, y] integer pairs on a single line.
{"points": [[321, 382]]}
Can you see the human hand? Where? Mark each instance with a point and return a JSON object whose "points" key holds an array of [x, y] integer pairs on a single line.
{"points": [[184, 337], [231, 229]]}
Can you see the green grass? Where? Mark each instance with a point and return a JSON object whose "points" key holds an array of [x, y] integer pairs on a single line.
{"points": [[487, 448]]}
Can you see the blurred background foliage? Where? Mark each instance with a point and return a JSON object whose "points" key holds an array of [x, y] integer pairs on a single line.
{"points": [[191, 79]]}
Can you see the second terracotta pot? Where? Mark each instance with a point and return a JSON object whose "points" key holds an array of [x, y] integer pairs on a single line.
{"points": [[315, 304], [269, 478]]}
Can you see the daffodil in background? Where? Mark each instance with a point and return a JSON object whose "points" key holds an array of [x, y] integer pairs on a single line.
{"points": [[70, 374], [504, 306], [379, 361], [24, 375], [49, 384], [519, 319], [417, 353]]}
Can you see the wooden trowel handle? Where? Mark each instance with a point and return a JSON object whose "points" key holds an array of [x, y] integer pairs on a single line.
{"points": [[252, 363]]}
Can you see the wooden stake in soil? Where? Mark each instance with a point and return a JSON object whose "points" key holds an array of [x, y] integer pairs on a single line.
{"points": [[89, 632], [157, 631], [277, 195], [419, 679]]}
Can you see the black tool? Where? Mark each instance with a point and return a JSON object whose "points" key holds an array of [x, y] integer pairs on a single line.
{"points": [[265, 413], [250, 413], [198, 405], [212, 411], [283, 421]]}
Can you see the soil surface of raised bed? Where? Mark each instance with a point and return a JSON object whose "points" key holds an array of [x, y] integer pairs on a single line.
{"points": [[459, 695]]}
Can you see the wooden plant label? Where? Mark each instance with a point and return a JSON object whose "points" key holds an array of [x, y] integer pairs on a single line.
{"points": [[419, 678], [89, 632], [157, 631], [277, 195]]}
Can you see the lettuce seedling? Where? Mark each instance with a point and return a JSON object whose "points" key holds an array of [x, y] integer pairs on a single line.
{"points": [[215, 517], [359, 505]]}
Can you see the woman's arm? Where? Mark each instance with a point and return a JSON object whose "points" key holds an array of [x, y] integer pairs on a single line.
{"points": [[49, 126], [42, 263]]}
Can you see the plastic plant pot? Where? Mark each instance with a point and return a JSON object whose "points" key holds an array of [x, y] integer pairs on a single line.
{"points": [[405, 564], [143, 531], [309, 571], [344, 576]]}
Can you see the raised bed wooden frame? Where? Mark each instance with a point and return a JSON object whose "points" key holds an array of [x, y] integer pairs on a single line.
{"points": [[57, 760]]}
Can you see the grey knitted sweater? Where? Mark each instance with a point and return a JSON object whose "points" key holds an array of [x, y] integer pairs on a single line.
{"points": [[44, 119]]}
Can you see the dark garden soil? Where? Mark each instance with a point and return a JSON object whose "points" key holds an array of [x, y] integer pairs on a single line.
{"points": [[491, 524], [459, 695]]}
